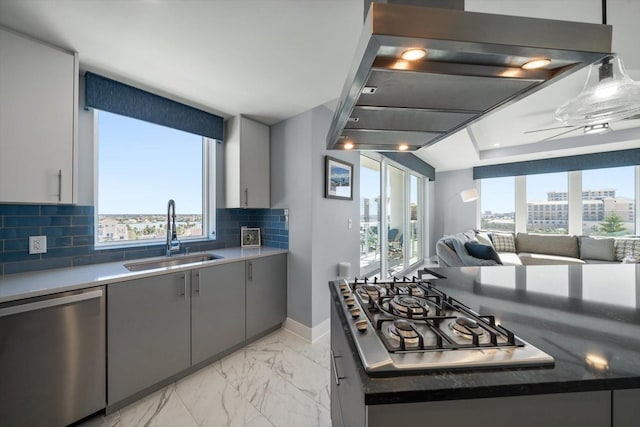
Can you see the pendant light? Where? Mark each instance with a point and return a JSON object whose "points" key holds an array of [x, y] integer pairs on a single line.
{"points": [[608, 95]]}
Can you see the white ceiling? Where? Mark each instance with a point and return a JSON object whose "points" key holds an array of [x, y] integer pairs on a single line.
{"points": [[273, 59], [502, 136], [268, 59]]}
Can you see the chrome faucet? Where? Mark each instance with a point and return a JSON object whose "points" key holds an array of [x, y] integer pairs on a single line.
{"points": [[173, 244]]}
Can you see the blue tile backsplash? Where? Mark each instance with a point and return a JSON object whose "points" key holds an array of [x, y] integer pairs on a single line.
{"points": [[70, 236]]}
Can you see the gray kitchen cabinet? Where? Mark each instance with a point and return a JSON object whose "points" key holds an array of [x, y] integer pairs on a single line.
{"points": [[589, 408], [625, 404], [148, 333], [38, 120], [347, 395], [266, 287], [217, 310], [247, 164]]}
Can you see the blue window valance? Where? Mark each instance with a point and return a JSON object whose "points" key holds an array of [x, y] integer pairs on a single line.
{"points": [[609, 159], [412, 162], [115, 97]]}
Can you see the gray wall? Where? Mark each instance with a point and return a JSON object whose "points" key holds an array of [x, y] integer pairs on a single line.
{"points": [[86, 153], [451, 215], [318, 234]]}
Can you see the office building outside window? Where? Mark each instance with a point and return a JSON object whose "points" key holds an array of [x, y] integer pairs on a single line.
{"points": [[548, 203], [608, 202]]}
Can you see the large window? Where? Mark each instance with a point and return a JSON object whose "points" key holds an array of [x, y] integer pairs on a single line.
{"points": [[415, 219], [140, 167], [548, 203], [400, 247], [498, 204], [608, 201], [395, 219], [369, 215], [600, 202]]}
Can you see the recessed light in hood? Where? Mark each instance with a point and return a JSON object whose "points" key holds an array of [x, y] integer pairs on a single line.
{"points": [[413, 54], [535, 64], [474, 65]]}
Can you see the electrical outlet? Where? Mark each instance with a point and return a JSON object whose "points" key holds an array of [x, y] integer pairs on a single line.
{"points": [[349, 224], [37, 245]]}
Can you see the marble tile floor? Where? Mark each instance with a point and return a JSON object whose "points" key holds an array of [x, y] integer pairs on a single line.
{"points": [[279, 381]]}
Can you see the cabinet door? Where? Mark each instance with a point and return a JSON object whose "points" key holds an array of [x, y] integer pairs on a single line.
{"points": [[247, 165], [217, 310], [625, 404], [347, 395], [38, 86], [254, 164], [266, 293], [148, 333]]}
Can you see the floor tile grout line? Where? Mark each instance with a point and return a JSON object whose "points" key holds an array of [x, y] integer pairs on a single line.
{"points": [[175, 384]]}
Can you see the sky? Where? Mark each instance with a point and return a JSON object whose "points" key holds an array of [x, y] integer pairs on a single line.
{"points": [[148, 165], [498, 193]]}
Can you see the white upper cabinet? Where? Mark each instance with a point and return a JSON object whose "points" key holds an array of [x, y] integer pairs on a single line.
{"points": [[38, 111], [247, 164]]}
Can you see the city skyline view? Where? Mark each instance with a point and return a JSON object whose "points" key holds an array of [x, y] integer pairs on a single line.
{"points": [[499, 193]]}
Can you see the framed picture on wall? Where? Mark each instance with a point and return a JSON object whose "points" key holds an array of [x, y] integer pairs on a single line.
{"points": [[250, 237], [338, 179]]}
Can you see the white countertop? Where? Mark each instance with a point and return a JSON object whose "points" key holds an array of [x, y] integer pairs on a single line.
{"points": [[26, 285]]}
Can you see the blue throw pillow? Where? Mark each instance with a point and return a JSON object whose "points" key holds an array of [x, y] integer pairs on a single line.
{"points": [[478, 250]]}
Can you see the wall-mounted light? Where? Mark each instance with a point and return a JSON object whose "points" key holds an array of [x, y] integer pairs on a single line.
{"points": [[469, 195]]}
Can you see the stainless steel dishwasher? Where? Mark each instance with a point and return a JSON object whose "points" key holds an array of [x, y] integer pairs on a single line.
{"points": [[52, 358]]}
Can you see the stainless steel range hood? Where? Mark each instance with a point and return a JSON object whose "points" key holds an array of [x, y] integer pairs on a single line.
{"points": [[473, 66]]}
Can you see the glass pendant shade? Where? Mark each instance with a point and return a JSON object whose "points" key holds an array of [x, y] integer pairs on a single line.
{"points": [[608, 95]]}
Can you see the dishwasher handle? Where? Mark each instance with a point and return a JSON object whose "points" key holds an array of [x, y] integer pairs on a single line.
{"points": [[53, 302]]}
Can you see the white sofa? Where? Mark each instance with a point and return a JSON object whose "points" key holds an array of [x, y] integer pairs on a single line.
{"points": [[534, 249]]}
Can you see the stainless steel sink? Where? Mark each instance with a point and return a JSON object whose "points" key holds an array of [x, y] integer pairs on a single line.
{"points": [[169, 261]]}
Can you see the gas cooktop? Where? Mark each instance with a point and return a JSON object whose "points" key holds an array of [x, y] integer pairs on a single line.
{"points": [[408, 325]]}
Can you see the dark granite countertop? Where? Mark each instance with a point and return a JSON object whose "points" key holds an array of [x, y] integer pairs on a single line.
{"points": [[586, 317]]}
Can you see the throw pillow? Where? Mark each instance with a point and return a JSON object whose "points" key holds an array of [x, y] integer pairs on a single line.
{"points": [[484, 238], [627, 247], [600, 249], [478, 250], [503, 242]]}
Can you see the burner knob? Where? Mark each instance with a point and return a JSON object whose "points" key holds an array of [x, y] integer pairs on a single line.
{"points": [[346, 293], [355, 312], [350, 302], [361, 325]]}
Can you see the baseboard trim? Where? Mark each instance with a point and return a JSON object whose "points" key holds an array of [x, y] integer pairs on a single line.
{"points": [[308, 334]]}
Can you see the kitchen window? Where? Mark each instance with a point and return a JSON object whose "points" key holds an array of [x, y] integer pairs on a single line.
{"points": [[141, 166]]}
